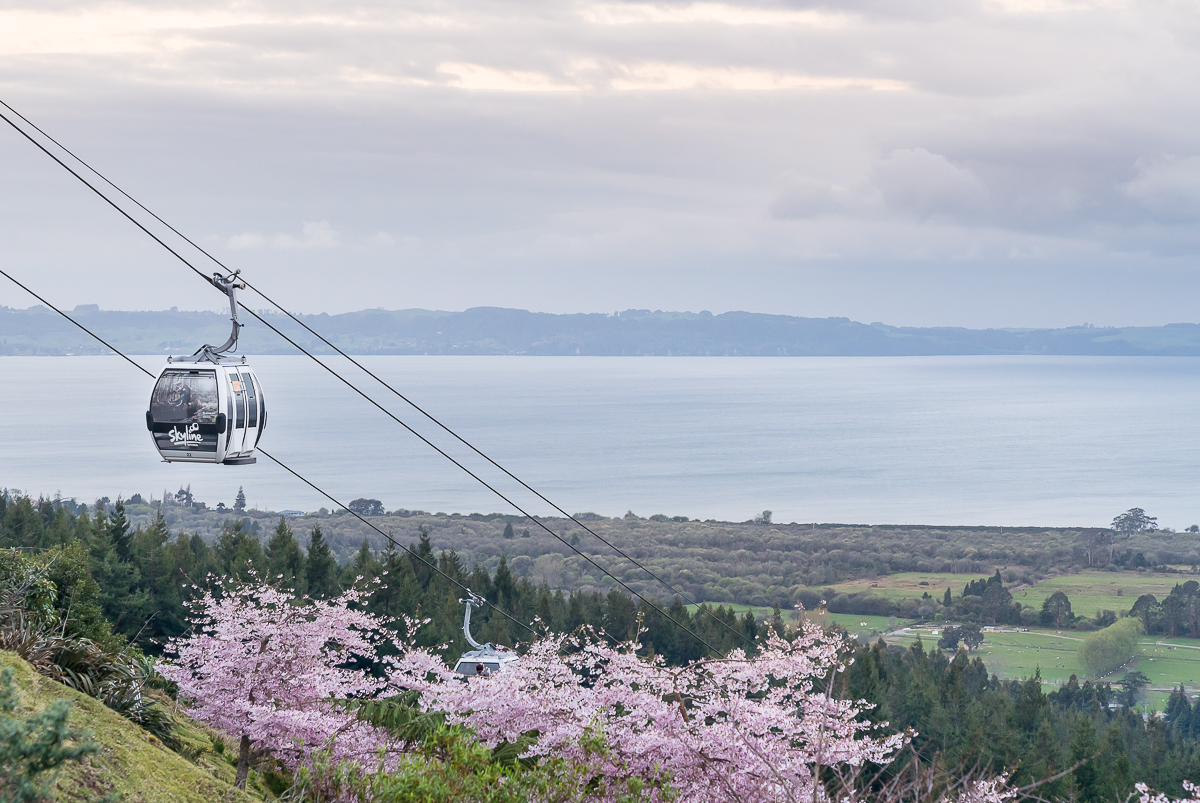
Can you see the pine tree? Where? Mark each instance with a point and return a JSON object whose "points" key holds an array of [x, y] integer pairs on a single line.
{"points": [[1114, 767], [421, 558], [365, 565], [240, 502], [947, 600], [118, 531], [35, 746], [504, 584], [285, 559], [508, 531], [399, 592], [322, 571], [239, 554], [1084, 744]]}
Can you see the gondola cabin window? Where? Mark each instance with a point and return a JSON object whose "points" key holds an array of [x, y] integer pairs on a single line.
{"points": [[251, 401], [185, 397], [186, 400]]}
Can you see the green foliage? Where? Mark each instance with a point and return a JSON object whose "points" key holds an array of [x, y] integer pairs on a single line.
{"points": [[1131, 684], [1056, 611], [25, 585], [399, 715], [1134, 520], [34, 748], [118, 678], [970, 635], [285, 560], [1177, 615], [450, 765], [321, 571], [965, 719], [131, 765], [1107, 650]]}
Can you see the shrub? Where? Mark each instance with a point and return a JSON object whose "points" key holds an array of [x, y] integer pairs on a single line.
{"points": [[1110, 648], [366, 507], [32, 749]]}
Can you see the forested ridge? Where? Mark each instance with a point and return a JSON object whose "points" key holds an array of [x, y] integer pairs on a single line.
{"points": [[755, 562], [116, 582], [493, 330]]}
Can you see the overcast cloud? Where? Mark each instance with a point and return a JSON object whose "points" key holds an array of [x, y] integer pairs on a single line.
{"points": [[931, 163]]}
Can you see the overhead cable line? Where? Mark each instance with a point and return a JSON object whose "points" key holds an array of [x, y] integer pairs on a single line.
{"points": [[276, 460], [349, 384], [363, 368]]}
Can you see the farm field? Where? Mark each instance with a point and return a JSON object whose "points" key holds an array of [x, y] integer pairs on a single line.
{"points": [[907, 585], [1011, 654], [1093, 591], [852, 622], [1166, 662], [1090, 591]]}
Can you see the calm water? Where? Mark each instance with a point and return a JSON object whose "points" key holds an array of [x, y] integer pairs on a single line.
{"points": [[965, 440]]}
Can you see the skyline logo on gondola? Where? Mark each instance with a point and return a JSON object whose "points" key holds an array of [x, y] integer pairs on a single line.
{"points": [[189, 435]]}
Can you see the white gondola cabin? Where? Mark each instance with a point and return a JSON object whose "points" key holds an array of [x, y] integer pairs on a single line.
{"points": [[484, 659], [207, 408], [205, 412]]}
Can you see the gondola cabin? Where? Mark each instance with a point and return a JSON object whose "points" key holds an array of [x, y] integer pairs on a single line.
{"points": [[490, 659], [206, 412], [485, 659]]}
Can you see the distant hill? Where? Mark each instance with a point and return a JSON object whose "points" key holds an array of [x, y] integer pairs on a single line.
{"points": [[493, 330]]}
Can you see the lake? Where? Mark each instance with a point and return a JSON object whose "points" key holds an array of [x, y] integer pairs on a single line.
{"points": [[902, 440]]}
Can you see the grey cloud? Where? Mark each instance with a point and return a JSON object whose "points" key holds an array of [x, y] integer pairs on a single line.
{"points": [[915, 181], [314, 234], [1168, 188], [521, 154], [809, 198]]}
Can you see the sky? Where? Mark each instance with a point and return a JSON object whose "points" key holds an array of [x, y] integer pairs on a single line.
{"points": [[985, 164]]}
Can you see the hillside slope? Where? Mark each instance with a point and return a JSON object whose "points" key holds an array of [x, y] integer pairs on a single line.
{"points": [[131, 762]]}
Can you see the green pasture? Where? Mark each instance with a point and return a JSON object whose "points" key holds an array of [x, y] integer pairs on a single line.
{"points": [[1166, 662], [1091, 591], [853, 623], [865, 625], [908, 585], [760, 611]]}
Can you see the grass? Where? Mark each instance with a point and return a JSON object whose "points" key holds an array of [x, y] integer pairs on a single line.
{"points": [[908, 585], [852, 622], [1167, 663], [1091, 591], [1019, 655], [131, 763]]}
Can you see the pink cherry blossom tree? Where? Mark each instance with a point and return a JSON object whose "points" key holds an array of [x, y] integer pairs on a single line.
{"points": [[264, 665], [1147, 795], [737, 728]]}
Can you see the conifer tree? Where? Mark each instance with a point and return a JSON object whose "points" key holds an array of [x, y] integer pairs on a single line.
{"points": [[240, 502], [118, 530], [322, 568], [239, 554], [364, 565], [285, 559], [1084, 745]]}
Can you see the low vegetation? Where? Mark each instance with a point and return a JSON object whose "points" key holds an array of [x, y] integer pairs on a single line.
{"points": [[765, 564], [1107, 650]]}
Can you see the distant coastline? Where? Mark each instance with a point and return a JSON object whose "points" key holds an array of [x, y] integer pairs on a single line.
{"points": [[498, 331]]}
